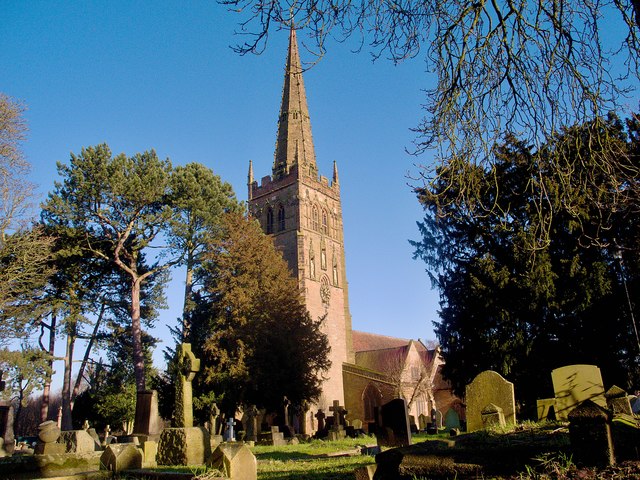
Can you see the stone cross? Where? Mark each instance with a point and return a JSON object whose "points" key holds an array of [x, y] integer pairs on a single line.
{"points": [[188, 366], [231, 436], [213, 419], [285, 410], [338, 413], [320, 416]]}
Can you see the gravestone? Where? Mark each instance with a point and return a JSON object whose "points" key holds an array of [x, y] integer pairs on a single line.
{"points": [[78, 441], [189, 365], [618, 401], [337, 430], [546, 409], [590, 435], [492, 416], [229, 434], [412, 424], [185, 444], [452, 420], [273, 437], [438, 419], [252, 424], [394, 429], [235, 460], [6, 427], [423, 420], [121, 456], [489, 388], [357, 424], [213, 420], [573, 384], [147, 423], [320, 416]]}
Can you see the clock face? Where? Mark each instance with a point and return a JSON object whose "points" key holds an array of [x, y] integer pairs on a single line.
{"points": [[325, 292]]}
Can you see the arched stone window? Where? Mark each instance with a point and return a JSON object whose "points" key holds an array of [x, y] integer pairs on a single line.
{"points": [[371, 398], [270, 220], [336, 280], [281, 223], [314, 219]]}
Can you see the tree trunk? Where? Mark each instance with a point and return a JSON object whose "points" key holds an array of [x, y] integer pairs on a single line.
{"points": [[187, 307], [136, 331], [46, 390], [85, 359], [67, 424]]}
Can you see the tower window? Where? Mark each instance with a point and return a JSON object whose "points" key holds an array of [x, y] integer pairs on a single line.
{"points": [[281, 218], [270, 220], [325, 226]]}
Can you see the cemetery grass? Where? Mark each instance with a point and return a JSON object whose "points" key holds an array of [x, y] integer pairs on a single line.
{"points": [[312, 461]]}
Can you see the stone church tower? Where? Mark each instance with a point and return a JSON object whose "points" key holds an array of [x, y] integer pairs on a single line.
{"points": [[303, 213]]}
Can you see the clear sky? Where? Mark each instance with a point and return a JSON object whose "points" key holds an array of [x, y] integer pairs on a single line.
{"points": [[142, 75]]}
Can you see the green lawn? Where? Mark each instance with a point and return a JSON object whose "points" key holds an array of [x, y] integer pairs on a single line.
{"points": [[308, 461]]}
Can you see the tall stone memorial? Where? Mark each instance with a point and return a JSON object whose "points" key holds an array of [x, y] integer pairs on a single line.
{"points": [[489, 389], [184, 444]]}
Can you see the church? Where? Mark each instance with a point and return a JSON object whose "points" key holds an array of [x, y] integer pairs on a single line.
{"points": [[301, 210]]}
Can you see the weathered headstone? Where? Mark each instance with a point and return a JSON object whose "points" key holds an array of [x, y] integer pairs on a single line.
{"points": [[119, 457], [147, 423], [590, 435], [185, 444], [213, 419], [574, 384], [320, 416], [451, 419], [546, 409], [423, 420], [235, 460], [438, 419], [6, 427], [492, 416], [489, 387], [252, 424], [357, 424], [618, 401], [337, 430], [394, 429], [78, 441]]}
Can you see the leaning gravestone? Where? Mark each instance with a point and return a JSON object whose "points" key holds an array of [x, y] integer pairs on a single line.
{"points": [[186, 444], [6, 426], [574, 384], [394, 429], [489, 388]]}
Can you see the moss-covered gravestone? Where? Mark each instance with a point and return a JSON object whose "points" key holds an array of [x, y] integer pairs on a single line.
{"points": [[574, 384], [489, 388], [184, 444], [590, 433]]}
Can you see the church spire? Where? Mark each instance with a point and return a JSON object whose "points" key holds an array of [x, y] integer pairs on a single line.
{"points": [[294, 145]]}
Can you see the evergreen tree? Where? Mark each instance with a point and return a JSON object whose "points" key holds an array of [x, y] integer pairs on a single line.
{"points": [[522, 303], [122, 206], [256, 338]]}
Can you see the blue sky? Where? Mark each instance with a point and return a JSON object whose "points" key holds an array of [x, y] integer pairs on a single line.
{"points": [[161, 75]]}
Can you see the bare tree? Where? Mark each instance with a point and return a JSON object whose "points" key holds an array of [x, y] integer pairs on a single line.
{"points": [[528, 68], [410, 381]]}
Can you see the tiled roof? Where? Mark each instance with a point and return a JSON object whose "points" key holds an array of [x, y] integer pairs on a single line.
{"points": [[364, 341]]}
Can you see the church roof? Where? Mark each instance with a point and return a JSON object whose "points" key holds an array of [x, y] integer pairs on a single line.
{"points": [[365, 341], [294, 145]]}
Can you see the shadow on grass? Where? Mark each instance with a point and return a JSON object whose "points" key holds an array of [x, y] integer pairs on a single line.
{"points": [[284, 456]]}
